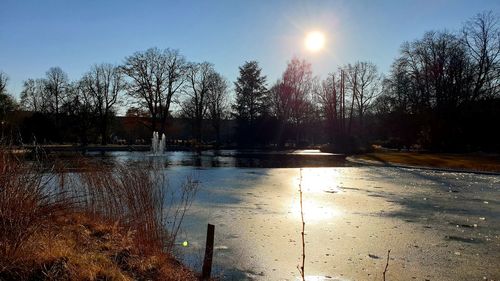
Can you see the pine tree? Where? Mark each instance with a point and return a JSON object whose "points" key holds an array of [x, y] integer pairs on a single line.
{"points": [[250, 106]]}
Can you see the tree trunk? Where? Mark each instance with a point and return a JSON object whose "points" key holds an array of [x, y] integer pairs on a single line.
{"points": [[104, 129], [198, 130], [217, 133], [153, 123]]}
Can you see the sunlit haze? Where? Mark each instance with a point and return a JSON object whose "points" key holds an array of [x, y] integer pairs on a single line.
{"points": [[36, 35], [315, 41]]}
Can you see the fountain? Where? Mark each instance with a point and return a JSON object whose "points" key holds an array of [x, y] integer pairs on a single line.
{"points": [[157, 145]]}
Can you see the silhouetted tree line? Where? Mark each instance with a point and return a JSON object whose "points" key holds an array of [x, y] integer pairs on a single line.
{"points": [[84, 111], [442, 93], [299, 110], [64, 111], [443, 90]]}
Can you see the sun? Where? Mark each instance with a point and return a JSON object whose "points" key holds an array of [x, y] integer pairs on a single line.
{"points": [[315, 41]]}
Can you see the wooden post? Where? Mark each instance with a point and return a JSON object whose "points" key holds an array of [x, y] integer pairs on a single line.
{"points": [[209, 251]]}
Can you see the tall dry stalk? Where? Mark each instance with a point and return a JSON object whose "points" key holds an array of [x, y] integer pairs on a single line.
{"points": [[180, 202], [27, 202], [138, 197], [301, 268], [386, 264]]}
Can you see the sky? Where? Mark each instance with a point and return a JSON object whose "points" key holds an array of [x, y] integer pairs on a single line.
{"points": [[74, 35]]}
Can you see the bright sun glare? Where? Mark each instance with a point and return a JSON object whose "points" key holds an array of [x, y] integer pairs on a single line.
{"points": [[315, 41]]}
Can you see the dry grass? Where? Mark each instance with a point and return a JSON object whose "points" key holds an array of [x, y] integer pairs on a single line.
{"points": [[27, 203], [76, 247], [137, 196], [473, 162], [107, 222]]}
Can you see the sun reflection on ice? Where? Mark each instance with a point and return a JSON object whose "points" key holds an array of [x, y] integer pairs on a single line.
{"points": [[318, 180], [313, 211], [316, 184]]}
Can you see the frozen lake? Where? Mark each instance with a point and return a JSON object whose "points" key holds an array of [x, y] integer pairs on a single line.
{"points": [[438, 225]]}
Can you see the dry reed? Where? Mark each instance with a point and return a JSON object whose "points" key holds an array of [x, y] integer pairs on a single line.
{"points": [[42, 205], [302, 233]]}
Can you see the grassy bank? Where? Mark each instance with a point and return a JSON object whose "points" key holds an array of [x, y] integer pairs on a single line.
{"points": [[106, 222], [77, 247], [470, 162]]}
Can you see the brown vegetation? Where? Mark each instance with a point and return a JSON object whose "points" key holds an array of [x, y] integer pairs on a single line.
{"points": [[472, 162], [107, 222]]}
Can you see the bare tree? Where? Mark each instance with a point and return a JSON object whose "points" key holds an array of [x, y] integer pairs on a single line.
{"points": [[81, 108], [292, 95], [352, 72], [103, 84], [281, 102], [328, 99], [365, 84], [481, 35], [55, 87], [33, 95], [438, 70], [195, 106], [157, 75], [218, 103], [441, 83], [297, 83]]}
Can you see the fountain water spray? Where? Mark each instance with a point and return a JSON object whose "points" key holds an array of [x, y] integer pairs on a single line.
{"points": [[157, 144]]}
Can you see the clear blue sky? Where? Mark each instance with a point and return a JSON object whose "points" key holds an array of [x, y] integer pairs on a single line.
{"points": [[35, 35]]}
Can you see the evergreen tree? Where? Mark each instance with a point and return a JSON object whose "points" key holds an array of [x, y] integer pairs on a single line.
{"points": [[250, 107]]}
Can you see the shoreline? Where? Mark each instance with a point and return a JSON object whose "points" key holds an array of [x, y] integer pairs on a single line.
{"points": [[459, 163], [142, 147]]}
